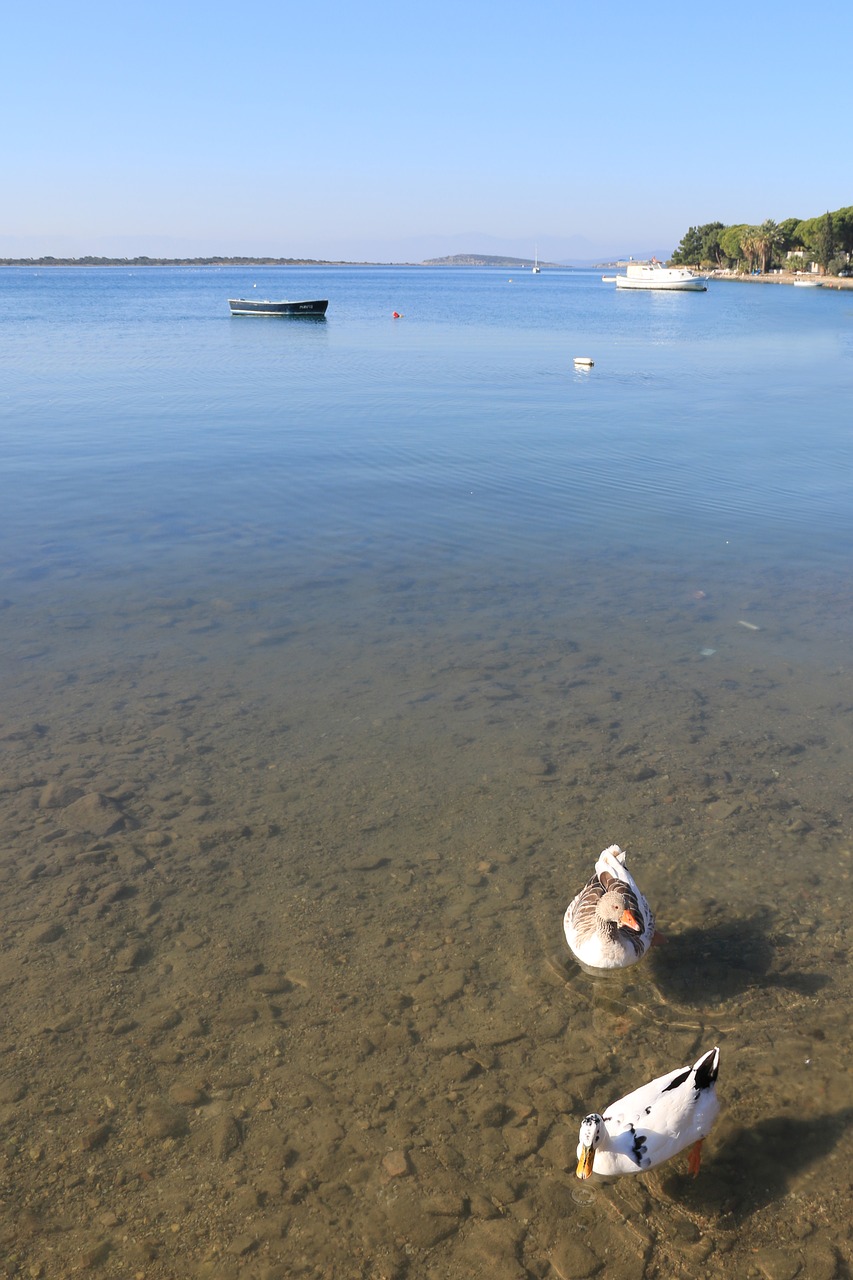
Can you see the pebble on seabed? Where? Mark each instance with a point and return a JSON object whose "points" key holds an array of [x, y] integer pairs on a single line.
{"points": [[573, 1260]]}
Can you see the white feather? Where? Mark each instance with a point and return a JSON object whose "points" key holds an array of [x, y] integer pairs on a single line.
{"points": [[653, 1123]]}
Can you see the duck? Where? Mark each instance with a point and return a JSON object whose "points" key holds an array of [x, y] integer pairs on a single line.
{"points": [[652, 1124], [609, 924]]}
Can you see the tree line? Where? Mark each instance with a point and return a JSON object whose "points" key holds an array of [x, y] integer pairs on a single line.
{"points": [[827, 240], [49, 261]]}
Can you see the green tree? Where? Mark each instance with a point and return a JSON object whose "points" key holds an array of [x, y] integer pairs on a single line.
{"points": [[699, 244], [806, 235], [730, 239], [767, 238], [787, 229], [711, 248], [842, 221], [690, 247], [825, 240], [750, 246]]}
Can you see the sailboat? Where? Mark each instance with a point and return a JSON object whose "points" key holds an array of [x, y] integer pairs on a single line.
{"points": [[536, 268]]}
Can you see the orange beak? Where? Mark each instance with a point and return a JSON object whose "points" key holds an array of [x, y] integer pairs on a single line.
{"points": [[630, 921], [585, 1160]]}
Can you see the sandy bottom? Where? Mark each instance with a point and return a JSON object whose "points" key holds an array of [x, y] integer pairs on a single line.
{"points": [[282, 875]]}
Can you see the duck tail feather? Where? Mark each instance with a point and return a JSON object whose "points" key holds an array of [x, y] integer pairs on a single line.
{"points": [[611, 861], [613, 851], [707, 1068]]}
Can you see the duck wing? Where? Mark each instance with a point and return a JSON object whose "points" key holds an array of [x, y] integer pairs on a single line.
{"points": [[676, 1093], [581, 912]]}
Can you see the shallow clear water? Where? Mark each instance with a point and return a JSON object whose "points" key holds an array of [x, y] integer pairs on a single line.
{"points": [[334, 652]]}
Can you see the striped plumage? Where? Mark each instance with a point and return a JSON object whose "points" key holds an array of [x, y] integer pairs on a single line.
{"points": [[609, 924]]}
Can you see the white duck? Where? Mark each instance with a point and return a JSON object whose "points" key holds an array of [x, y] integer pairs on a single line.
{"points": [[653, 1123], [609, 924]]}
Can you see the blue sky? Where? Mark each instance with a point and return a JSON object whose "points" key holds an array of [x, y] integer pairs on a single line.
{"points": [[392, 132]]}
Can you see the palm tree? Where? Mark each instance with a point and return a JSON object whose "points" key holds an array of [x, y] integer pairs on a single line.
{"points": [[749, 246], [768, 237]]}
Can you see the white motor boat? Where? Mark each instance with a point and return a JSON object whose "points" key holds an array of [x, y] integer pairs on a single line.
{"points": [[654, 275]]}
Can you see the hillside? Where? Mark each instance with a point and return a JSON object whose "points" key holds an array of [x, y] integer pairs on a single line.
{"points": [[484, 260]]}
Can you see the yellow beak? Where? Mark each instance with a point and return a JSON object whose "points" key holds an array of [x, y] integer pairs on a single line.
{"points": [[585, 1160]]}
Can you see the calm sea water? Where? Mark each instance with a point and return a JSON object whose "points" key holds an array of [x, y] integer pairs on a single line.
{"points": [[136, 410], [334, 652]]}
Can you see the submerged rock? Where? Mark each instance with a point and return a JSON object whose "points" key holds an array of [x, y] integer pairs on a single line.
{"points": [[94, 813]]}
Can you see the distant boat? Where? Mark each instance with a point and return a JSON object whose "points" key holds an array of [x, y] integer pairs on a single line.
{"points": [[805, 283], [536, 268], [263, 307], [654, 275]]}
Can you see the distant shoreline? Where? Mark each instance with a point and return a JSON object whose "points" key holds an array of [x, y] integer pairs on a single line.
{"points": [[461, 260], [49, 261]]}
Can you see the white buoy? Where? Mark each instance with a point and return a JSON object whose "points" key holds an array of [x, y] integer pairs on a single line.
{"points": [[587, 361]]}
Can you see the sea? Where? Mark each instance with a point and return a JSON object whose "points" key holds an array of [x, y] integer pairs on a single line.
{"points": [[334, 653]]}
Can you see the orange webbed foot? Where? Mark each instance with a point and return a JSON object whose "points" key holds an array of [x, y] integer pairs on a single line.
{"points": [[695, 1157]]}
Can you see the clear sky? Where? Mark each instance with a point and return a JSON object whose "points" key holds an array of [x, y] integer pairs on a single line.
{"points": [[391, 131]]}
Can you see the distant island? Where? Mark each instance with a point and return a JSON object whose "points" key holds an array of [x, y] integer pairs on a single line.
{"points": [[486, 260]]}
